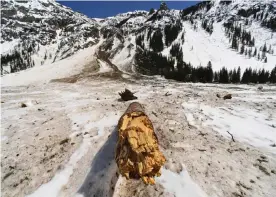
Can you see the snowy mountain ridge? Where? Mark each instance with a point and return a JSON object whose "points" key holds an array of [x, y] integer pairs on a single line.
{"points": [[30, 38]]}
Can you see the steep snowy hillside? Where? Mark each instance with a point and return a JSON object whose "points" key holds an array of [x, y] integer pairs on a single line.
{"points": [[37, 32], [250, 25], [174, 43]]}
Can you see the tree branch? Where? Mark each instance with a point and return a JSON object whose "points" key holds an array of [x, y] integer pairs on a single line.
{"points": [[231, 136]]}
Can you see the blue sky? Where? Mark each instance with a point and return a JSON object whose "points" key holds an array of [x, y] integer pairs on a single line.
{"points": [[101, 9]]}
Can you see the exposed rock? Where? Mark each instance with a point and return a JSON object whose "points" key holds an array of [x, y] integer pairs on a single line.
{"points": [[23, 105], [227, 96], [66, 140], [260, 88]]}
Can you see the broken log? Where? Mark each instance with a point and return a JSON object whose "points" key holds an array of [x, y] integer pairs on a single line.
{"points": [[231, 136], [127, 95], [137, 152]]}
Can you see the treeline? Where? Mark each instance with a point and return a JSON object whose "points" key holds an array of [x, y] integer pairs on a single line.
{"points": [[151, 63], [187, 73]]}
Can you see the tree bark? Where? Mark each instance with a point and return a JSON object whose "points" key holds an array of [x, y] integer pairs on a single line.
{"points": [[137, 151]]}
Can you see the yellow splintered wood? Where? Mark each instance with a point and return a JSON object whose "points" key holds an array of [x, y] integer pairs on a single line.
{"points": [[137, 152]]}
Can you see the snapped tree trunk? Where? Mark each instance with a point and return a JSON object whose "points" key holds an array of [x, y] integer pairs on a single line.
{"points": [[137, 151]]}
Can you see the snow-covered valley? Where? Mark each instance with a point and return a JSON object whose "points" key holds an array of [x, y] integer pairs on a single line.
{"points": [[62, 143]]}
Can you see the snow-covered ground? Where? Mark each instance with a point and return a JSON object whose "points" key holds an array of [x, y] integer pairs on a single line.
{"points": [[62, 143], [248, 125], [45, 73]]}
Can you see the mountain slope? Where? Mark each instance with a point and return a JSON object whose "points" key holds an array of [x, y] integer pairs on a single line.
{"points": [[198, 46], [228, 34], [42, 31]]}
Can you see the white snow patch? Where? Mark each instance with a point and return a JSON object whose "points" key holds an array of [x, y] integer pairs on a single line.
{"points": [[63, 68], [103, 67], [4, 138], [180, 184], [8, 47], [53, 187], [245, 125], [124, 57], [106, 121]]}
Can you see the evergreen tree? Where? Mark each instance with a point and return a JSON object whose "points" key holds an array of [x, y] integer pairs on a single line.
{"points": [[264, 48], [263, 55], [254, 77], [272, 76], [209, 73], [230, 76], [265, 60], [262, 76], [200, 74], [233, 76], [253, 42], [255, 52], [216, 77], [139, 40], [223, 75], [242, 49], [234, 42], [151, 11], [250, 53], [246, 77], [163, 6], [238, 78], [269, 50], [188, 71], [175, 50]]}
